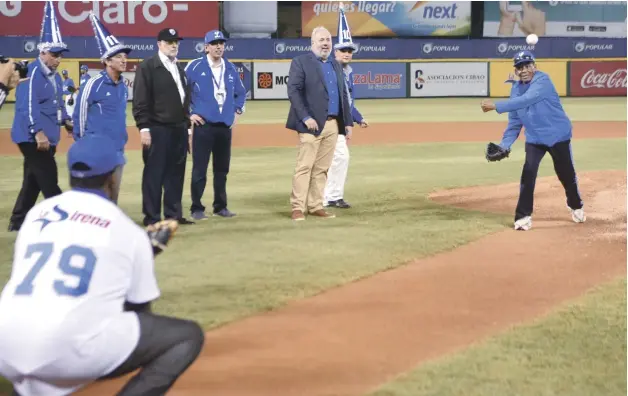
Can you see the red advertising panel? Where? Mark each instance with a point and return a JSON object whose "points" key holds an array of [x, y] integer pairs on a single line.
{"points": [[598, 78], [123, 18]]}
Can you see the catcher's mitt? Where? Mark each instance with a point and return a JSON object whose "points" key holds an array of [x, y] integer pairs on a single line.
{"points": [[495, 152], [161, 233]]}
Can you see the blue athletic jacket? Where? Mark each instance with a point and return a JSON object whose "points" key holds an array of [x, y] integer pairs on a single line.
{"points": [[535, 106], [84, 79], [101, 109], [202, 100], [67, 84], [357, 116], [38, 106]]}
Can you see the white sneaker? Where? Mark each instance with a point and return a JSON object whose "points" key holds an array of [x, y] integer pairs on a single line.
{"points": [[523, 224], [578, 215]]}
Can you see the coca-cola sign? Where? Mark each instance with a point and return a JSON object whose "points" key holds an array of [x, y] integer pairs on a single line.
{"points": [[122, 18], [598, 78]]}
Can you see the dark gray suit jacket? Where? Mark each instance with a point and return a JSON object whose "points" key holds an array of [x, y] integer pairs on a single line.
{"points": [[308, 95]]}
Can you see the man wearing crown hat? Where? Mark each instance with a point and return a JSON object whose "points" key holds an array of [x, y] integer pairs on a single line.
{"points": [[534, 104], [39, 114], [337, 174], [214, 107], [101, 103]]}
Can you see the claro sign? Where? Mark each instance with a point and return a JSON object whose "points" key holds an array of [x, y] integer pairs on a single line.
{"points": [[598, 78], [123, 18]]}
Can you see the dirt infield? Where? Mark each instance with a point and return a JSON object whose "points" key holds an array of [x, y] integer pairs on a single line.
{"points": [[353, 338], [247, 135]]}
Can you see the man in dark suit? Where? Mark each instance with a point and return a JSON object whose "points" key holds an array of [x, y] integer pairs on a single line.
{"points": [[161, 101], [319, 109]]}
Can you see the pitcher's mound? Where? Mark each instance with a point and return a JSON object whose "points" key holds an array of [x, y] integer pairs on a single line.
{"points": [[603, 193]]}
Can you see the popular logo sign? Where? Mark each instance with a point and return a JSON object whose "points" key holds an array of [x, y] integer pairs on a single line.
{"points": [[598, 78], [124, 18]]}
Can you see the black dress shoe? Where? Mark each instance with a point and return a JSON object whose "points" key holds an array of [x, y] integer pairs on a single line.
{"points": [[339, 204], [184, 221], [14, 227]]}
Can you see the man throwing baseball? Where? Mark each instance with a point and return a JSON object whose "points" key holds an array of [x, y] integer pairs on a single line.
{"points": [[77, 305], [535, 105]]}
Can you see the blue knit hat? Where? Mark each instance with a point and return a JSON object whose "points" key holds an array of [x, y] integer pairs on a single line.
{"points": [[50, 37], [344, 34], [108, 45]]}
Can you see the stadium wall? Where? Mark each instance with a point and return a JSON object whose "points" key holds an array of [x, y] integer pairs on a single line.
{"points": [[391, 68]]}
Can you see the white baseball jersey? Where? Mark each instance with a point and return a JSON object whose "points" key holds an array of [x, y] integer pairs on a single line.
{"points": [[77, 259]]}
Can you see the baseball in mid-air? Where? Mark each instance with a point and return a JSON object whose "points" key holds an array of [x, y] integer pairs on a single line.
{"points": [[532, 39]]}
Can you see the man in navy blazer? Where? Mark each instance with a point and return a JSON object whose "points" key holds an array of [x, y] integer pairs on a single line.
{"points": [[319, 109]]}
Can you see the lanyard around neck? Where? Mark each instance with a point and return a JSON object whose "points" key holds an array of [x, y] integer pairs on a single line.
{"points": [[220, 78]]}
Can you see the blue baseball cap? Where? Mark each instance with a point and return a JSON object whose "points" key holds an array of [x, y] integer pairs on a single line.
{"points": [[64, 72], [214, 35], [98, 154], [523, 57]]}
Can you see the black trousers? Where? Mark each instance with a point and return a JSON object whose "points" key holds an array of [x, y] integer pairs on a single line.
{"points": [[167, 347], [40, 175], [563, 166], [164, 170], [208, 140]]}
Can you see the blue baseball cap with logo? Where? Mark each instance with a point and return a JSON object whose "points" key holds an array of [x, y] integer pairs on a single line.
{"points": [[523, 57], [96, 154], [214, 35]]}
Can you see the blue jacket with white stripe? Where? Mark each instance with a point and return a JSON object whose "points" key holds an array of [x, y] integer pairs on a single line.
{"points": [[202, 100], [536, 107], [39, 106], [101, 109], [355, 113]]}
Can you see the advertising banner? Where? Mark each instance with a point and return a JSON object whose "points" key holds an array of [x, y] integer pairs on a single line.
{"points": [[244, 70], [379, 80], [499, 72], [390, 18], [271, 80], [449, 79], [597, 78], [589, 48], [555, 18], [122, 18], [242, 49]]}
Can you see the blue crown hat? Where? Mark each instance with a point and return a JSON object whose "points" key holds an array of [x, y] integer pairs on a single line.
{"points": [[344, 34], [97, 153], [523, 57], [108, 45], [50, 37], [214, 35]]}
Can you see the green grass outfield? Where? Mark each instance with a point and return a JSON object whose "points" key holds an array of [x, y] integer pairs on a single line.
{"points": [[411, 110], [221, 270]]}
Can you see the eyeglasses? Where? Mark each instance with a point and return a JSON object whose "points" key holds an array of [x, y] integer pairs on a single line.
{"points": [[523, 65], [346, 50]]}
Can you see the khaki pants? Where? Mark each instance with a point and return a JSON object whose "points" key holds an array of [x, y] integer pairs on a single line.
{"points": [[313, 162]]}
